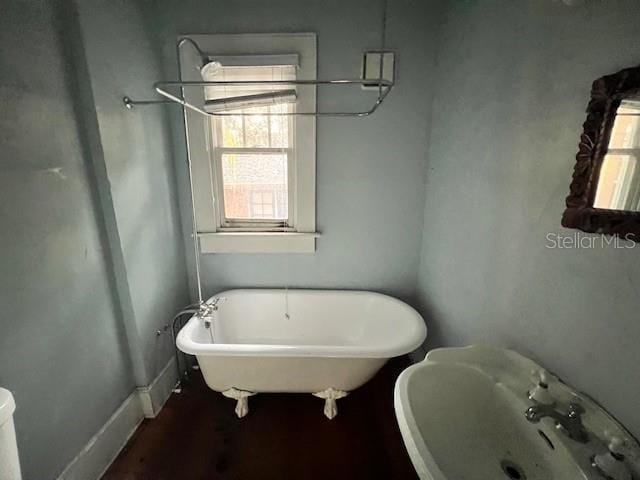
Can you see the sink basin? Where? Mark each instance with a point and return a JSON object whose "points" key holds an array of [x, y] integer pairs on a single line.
{"points": [[461, 414]]}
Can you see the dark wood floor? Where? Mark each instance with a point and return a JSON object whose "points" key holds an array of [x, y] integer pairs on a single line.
{"points": [[284, 436]]}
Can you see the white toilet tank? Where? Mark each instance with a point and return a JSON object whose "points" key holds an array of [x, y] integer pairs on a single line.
{"points": [[9, 461]]}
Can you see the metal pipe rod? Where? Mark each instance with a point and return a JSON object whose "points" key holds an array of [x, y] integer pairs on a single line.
{"points": [[159, 88], [383, 40], [385, 87], [194, 223], [213, 83]]}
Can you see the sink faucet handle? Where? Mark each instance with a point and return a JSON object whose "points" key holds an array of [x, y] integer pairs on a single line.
{"points": [[544, 376], [612, 463], [540, 376], [540, 392], [615, 444]]}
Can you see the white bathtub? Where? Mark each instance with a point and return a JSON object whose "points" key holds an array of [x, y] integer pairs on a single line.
{"points": [[331, 340]]}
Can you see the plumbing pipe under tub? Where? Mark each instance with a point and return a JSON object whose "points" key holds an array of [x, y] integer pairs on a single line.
{"points": [[9, 461]]}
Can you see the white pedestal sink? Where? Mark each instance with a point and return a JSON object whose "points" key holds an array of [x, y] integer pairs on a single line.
{"points": [[461, 414]]}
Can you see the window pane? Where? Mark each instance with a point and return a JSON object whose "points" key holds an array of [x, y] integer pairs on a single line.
{"points": [[617, 183], [257, 131], [626, 126], [255, 186], [280, 127], [256, 128], [260, 131], [232, 132]]}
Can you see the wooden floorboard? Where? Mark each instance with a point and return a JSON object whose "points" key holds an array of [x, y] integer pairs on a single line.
{"points": [[284, 436]]}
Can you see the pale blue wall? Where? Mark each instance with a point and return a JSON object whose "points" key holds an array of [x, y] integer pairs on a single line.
{"points": [[140, 167], [369, 171], [92, 256], [61, 341], [513, 82]]}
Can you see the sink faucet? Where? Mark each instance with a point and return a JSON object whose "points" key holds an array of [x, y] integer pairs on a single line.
{"points": [[570, 422]]}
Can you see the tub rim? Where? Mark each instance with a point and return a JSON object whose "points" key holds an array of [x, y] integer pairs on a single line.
{"points": [[418, 335]]}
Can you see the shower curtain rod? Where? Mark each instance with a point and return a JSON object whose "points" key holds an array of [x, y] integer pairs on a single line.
{"points": [[383, 86]]}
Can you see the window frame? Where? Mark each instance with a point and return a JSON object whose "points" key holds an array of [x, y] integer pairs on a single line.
{"points": [[215, 233]]}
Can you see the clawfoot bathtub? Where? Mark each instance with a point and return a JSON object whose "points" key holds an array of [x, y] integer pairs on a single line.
{"points": [[325, 342]]}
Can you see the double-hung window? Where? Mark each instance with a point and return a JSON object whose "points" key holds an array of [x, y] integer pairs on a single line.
{"points": [[254, 155], [253, 171]]}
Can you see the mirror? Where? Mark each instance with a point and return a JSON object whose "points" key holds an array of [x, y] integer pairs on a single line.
{"points": [[604, 195]]}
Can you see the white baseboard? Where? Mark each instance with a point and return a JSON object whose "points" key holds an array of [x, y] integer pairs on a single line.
{"points": [[155, 395], [94, 459]]}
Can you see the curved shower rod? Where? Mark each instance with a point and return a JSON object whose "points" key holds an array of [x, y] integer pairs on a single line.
{"points": [[384, 87]]}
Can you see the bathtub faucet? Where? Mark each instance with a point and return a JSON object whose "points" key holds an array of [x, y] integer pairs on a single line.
{"points": [[215, 301], [208, 308]]}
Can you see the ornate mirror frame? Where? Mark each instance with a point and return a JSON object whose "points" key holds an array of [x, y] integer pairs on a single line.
{"points": [[606, 94]]}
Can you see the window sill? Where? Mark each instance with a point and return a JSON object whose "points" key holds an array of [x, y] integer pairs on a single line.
{"points": [[258, 242]]}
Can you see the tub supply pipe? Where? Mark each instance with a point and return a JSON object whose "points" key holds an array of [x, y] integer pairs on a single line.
{"points": [[202, 310]]}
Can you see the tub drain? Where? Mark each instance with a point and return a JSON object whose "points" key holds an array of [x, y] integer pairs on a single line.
{"points": [[512, 471]]}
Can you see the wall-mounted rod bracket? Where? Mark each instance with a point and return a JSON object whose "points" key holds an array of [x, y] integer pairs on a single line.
{"points": [[131, 103]]}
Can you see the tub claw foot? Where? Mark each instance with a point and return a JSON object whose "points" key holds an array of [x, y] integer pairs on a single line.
{"points": [[242, 397], [330, 396]]}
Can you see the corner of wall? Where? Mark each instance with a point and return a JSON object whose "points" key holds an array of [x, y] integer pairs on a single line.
{"points": [[102, 449]]}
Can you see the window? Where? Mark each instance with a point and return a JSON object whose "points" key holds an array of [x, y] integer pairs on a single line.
{"points": [[253, 155], [254, 175]]}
